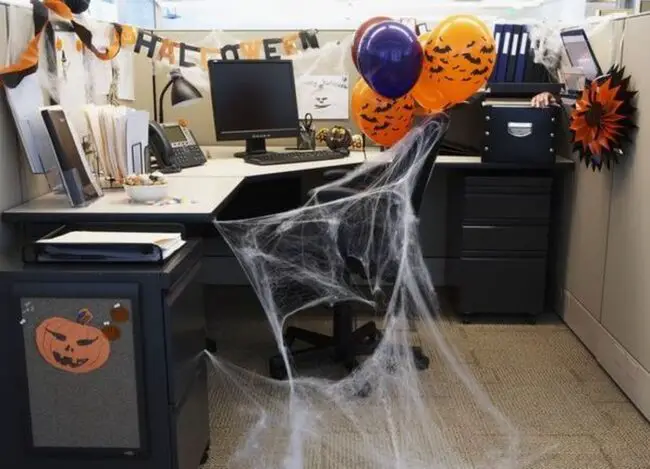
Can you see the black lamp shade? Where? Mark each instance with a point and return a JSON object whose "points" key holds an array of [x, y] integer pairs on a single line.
{"points": [[183, 92]]}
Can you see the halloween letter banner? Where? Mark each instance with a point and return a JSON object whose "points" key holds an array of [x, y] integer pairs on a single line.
{"points": [[187, 55], [149, 43]]}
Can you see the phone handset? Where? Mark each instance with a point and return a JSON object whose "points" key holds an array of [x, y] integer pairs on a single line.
{"points": [[161, 149]]}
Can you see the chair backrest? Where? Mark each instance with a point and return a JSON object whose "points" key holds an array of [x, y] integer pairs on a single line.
{"points": [[426, 170], [415, 158]]}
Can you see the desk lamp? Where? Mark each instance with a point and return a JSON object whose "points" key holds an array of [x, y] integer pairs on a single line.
{"points": [[183, 92]]}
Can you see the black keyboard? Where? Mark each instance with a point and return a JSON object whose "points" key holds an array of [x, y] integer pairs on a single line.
{"points": [[265, 159]]}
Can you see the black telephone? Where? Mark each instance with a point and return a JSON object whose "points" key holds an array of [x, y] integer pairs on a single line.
{"points": [[173, 148]]}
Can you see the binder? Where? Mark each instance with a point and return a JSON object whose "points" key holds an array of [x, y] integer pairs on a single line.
{"points": [[514, 51], [522, 57], [96, 246], [498, 40], [502, 58]]}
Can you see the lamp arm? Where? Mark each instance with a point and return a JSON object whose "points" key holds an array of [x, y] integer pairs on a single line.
{"points": [[160, 102]]}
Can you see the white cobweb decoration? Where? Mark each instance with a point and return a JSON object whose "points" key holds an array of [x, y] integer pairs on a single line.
{"points": [[380, 416]]}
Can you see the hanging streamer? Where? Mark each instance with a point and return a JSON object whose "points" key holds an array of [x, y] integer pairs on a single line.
{"points": [[27, 64]]}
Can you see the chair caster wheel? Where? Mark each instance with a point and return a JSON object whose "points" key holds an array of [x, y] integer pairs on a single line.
{"points": [[205, 456], [277, 370], [211, 345], [421, 360]]}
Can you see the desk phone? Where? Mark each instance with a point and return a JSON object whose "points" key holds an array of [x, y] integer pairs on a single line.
{"points": [[174, 147]]}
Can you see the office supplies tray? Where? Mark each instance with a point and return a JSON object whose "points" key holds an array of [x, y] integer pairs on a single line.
{"points": [[42, 252]]}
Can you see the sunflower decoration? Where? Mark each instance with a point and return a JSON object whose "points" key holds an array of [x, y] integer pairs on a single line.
{"points": [[602, 119]]}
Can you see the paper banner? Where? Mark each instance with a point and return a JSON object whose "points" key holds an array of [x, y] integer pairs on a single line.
{"points": [[182, 54], [27, 64]]}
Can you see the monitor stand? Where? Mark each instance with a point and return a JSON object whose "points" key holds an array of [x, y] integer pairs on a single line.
{"points": [[254, 146]]}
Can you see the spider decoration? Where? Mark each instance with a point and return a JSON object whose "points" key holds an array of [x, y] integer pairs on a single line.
{"points": [[602, 119]]}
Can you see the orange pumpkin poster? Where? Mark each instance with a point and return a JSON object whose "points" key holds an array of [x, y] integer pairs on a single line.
{"points": [[72, 346]]}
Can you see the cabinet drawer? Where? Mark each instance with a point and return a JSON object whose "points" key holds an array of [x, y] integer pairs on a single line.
{"points": [[186, 331], [507, 206], [505, 238], [190, 421], [491, 285], [508, 184]]}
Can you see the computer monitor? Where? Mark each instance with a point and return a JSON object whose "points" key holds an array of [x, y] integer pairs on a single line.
{"points": [[253, 100], [580, 53]]}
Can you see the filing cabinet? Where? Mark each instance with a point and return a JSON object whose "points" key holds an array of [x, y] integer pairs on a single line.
{"points": [[107, 369], [504, 238]]}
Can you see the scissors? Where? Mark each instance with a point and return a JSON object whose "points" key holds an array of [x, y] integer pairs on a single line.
{"points": [[307, 122]]}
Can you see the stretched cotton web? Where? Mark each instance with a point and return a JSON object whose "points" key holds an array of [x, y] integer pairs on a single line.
{"points": [[297, 261]]}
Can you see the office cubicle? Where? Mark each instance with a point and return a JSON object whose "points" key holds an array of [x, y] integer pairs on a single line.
{"points": [[605, 300]]}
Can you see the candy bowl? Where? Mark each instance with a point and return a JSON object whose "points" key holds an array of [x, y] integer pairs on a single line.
{"points": [[146, 188]]}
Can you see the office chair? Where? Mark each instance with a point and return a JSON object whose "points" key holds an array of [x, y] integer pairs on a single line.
{"points": [[346, 344]]}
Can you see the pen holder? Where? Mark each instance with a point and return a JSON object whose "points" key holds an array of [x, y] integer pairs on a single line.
{"points": [[306, 140]]}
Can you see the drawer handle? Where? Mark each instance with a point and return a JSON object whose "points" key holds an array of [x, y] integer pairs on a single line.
{"points": [[520, 129]]}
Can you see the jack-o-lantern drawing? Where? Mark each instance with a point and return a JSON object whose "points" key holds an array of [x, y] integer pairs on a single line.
{"points": [[459, 56], [75, 347], [385, 121]]}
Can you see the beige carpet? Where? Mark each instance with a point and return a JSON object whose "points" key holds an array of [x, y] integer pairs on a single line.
{"points": [[540, 376]]}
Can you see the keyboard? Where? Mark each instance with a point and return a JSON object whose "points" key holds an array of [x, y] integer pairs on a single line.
{"points": [[265, 159]]}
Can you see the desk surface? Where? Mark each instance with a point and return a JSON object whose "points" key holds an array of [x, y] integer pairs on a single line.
{"points": [[204, 189], [199, 198]]}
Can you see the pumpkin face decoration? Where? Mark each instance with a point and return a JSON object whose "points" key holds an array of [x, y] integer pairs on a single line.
{"points": [[459, 56], [75, 347], [338, 138], [384, 120]]}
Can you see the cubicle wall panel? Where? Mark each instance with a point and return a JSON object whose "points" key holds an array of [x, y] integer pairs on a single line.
{"points": [[80, 354], [10, 191], [626, 297], [199, 114]]}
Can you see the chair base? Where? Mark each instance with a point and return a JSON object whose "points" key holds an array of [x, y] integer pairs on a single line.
{"points": [[361, 342]]}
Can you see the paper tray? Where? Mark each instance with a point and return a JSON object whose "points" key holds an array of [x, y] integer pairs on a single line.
{"points": [[147, 253]]}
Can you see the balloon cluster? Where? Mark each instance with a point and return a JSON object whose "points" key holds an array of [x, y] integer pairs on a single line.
{"points": [[401, 71]]}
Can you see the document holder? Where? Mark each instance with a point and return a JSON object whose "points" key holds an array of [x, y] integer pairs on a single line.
{"points": [[99, 253]]}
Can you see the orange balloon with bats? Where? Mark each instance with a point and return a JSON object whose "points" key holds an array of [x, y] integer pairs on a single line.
{"points": [[385, 121], [459, 55]]}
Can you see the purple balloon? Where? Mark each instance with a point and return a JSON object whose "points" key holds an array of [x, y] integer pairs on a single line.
{"points": [[390, 58]]}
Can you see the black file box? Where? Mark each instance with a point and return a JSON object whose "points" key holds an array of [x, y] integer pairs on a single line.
{"points": [[516, 132]]}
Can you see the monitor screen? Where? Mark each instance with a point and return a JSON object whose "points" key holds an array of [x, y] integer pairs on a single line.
{"points": [[74, 171], [253, 99], [580, 54]]}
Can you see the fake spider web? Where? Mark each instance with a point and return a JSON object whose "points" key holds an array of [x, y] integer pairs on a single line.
{"points": [[296, 261]]}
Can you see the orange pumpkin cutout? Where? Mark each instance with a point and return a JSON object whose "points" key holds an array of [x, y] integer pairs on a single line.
{"points": [[459, 56], [385, 121], [71, 346]]}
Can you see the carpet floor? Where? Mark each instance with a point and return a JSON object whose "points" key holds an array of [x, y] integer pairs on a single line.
{"points": [[540, 376]]}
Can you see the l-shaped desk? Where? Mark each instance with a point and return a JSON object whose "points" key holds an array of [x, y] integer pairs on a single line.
{"points": [[500, 230], [500, 218]]}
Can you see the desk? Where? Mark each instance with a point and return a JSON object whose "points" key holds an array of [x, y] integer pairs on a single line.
{"points": [[472, 262], [209, 187]]}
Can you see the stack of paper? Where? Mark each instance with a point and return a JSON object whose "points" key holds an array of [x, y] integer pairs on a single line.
{"points": [[121, 136], [101, 245]]}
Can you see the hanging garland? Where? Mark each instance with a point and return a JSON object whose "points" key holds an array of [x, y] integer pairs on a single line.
{"points": [[175, 53], [27, 64], [602, 119]]}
